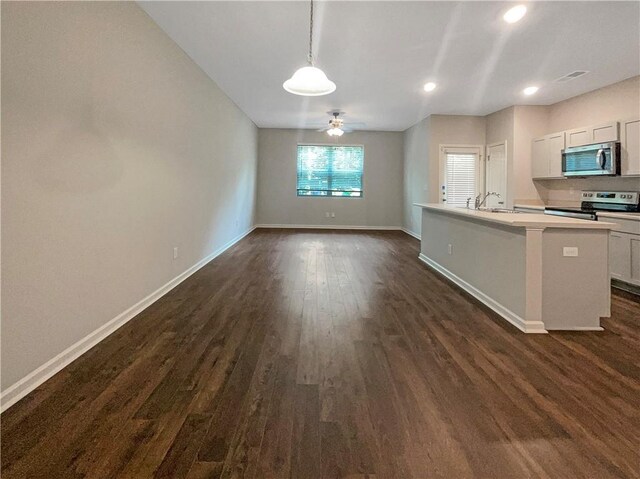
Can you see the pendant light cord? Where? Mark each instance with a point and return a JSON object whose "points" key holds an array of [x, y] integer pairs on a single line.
{"points": [[310, 57]]}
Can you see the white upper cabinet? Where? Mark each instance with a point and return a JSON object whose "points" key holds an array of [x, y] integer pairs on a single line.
{"points": [[555, 145], [546, 156], [606, 132], [578, 137], [539, 162], [630, 147], [593, 134]]}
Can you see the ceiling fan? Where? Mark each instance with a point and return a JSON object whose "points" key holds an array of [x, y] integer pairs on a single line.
{"points": [[336, 125]]}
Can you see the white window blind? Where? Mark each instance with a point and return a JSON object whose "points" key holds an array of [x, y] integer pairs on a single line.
{"points": [[460, 177]]}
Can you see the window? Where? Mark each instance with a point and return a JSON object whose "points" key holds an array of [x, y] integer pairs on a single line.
{"points": [[461, 173], [330, 170]]}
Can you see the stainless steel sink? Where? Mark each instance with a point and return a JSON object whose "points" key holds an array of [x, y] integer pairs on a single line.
{"points": [[498, 210]]}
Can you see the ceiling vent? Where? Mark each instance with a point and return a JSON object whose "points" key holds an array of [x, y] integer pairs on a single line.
{"points": [[570, 76]]}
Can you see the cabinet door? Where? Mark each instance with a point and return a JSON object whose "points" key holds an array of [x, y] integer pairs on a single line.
{"points": [[539, 161], [579, 137], [606, 132], [555, 145], [634, 273], [619, 253], [630, 136]]}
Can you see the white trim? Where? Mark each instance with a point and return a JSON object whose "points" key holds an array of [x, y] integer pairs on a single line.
{"points": [[513, 318], [24, 386], [411, 233], [333, 227], [578, 328]]}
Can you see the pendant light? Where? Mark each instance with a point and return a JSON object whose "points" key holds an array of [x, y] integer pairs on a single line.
{"points": [[309, 80]]}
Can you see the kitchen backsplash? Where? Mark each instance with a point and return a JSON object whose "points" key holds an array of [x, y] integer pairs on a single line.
{"points": [[568, 191]]}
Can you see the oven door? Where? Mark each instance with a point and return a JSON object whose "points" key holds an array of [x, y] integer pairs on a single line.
{"points": [[601, 159]]}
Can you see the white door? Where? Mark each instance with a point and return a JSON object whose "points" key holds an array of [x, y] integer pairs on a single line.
{"points": [[460, 174], [497, 175]]}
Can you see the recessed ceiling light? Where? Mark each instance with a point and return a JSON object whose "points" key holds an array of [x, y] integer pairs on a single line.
{"points": [[515, 13], [530, 90], [429, 86]]}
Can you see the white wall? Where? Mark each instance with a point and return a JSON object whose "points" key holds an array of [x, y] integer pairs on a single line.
{"points": [[116, 148], [380, 206]]}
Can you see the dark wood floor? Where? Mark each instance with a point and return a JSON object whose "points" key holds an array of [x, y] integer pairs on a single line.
{"points": [[330, 355]]}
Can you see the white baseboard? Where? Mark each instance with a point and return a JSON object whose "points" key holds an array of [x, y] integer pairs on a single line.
{"points": [[411, 233], [519, 322], [24, 386], [333, 227]]}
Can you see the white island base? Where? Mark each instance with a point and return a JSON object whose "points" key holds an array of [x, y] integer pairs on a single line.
{"points": [[523, 266]]}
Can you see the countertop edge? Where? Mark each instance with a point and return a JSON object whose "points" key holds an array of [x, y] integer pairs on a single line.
{"points": [[532, 221], [606, 214]]}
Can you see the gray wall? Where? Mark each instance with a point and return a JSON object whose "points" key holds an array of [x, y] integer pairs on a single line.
{"points": [[116, 148], [422, 158], [416, 173], [381, 204]]}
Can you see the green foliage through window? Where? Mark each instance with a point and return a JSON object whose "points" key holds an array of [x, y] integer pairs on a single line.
{"points": [[330, 170]]}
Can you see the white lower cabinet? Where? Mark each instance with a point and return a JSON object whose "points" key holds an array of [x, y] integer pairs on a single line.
{"points": [[619, 253], [634, 276], [624, 251]]}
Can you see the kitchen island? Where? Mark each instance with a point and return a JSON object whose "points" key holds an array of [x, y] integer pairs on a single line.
{"points": [[539, 272]]}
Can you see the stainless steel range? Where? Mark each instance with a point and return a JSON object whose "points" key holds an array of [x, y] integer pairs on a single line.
{"points": [[594, 201]]}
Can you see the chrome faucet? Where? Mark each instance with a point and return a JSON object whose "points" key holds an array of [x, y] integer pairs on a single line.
{"points": [[479, 202]]}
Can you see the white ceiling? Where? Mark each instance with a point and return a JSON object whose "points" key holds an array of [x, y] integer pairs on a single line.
{"points": [[381, 53]]}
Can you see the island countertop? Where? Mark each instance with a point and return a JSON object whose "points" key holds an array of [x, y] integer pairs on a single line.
{"points": [[530, 220], [539, 272]]}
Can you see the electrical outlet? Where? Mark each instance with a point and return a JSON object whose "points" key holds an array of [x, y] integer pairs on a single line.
{"points": [[450, 249], [175, 252], [333, 215], [327, 214], [570, 251]]}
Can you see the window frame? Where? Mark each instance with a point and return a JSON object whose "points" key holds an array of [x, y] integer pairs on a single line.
{"points": [[346, 145]]}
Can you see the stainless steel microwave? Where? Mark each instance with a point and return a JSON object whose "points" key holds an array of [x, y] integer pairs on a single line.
{"points": [[599, 159]]}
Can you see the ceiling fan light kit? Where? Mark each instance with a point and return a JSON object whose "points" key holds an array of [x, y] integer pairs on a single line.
{"points": [[309, 80]]}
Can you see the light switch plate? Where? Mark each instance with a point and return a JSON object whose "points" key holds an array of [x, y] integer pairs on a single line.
{"points": [[570, 251]]}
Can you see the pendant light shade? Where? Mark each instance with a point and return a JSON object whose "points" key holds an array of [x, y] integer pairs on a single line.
{"points": [[309, 80]]}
